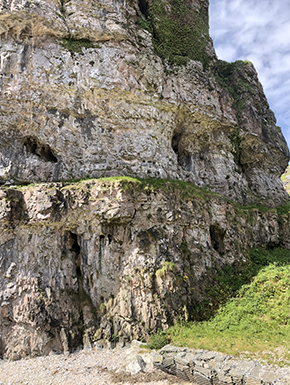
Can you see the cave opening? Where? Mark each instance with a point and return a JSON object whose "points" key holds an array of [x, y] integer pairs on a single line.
{"points": [[217, 235], [72, 246], [144, 7], [33, 146], [184, 158]]}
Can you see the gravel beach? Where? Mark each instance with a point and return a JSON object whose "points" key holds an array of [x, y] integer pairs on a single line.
{"points": [[91, 367]]}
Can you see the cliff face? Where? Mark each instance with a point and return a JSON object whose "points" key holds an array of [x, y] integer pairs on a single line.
{"points": [[106, 259], [86, 90], [110, 88]]}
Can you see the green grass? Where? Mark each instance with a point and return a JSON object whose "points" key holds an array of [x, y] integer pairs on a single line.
{"points": [[286, 182], [257, 206], [254, 321], [77, 45]]}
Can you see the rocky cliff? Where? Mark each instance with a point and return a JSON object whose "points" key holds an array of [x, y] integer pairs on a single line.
{"points": [[102, 260], [111, 88], [102, 88]]}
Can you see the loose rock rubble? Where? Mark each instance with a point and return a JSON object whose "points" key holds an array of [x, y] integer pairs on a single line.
{"points": [[85, 367], [203, 367]]}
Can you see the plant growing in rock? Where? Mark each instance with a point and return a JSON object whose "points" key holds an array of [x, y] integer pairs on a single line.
{"points": [[166, 268]]}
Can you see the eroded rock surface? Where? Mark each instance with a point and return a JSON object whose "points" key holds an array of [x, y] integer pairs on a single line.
{"points": [[83, 92], [101, 260]]}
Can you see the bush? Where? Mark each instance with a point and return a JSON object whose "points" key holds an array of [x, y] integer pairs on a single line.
{"points": [[158, 340]]}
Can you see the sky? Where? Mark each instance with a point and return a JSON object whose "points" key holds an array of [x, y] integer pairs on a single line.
{"points": [[258, 31]]}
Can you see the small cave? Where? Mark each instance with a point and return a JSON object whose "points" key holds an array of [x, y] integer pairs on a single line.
{"points": [[72, 246], [18, 209], [184, 158], [144, 7], [33, 146], [217, 235], [80, 296]]}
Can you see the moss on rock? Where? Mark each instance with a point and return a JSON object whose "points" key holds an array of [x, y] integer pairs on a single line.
{"points": [[180, 32]]}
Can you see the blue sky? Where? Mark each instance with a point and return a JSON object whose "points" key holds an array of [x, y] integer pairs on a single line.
{"points": [[259, 31]]}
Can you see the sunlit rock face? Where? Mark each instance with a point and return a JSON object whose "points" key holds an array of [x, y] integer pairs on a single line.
{"points": [[109, 88], [105, 260], [84, 92]]}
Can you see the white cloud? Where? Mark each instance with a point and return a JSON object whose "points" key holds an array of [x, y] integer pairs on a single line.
{"points": [[257, 31]]}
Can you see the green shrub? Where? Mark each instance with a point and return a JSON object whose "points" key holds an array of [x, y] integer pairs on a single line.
{"points": [[158, 340]]}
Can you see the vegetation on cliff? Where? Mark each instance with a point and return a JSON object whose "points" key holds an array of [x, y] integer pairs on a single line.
{"points": [[76, 45], [180, 33], [286, 179], [254, 321]]}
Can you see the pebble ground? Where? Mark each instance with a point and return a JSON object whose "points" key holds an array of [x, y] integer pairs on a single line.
{"points": [[103, 367]]}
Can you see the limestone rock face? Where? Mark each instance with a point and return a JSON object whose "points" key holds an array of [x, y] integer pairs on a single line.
{"points": [[86, 91], [102, 260]]}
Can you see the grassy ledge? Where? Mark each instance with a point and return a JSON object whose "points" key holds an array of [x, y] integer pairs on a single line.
{"points": [[77, 45]]}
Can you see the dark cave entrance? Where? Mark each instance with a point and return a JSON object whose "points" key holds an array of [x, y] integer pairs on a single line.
{"points": [[33, 146], [144, 7], [217, 235], [184, 158]]}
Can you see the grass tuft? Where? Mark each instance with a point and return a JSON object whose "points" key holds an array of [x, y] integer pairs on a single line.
{"points": [[166, 268], [76, 45]]}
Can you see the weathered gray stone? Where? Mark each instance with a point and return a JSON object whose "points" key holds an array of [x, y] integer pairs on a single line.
{"points": [[136, 365], [181, 374], [270, 377], [224, 379], [98, 345], [204, 371], [173, 349], [107, 239], [113, 108], [200, 379], [241, 369], [207, 356], [83, 257], [252, 381], [168, 361], [232, 371], [181, 361], [158, 359], [256, 371], [189, 373]]}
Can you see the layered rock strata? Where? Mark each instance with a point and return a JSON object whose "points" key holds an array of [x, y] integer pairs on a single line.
{"points": [[102, 260], [86, 90]]}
